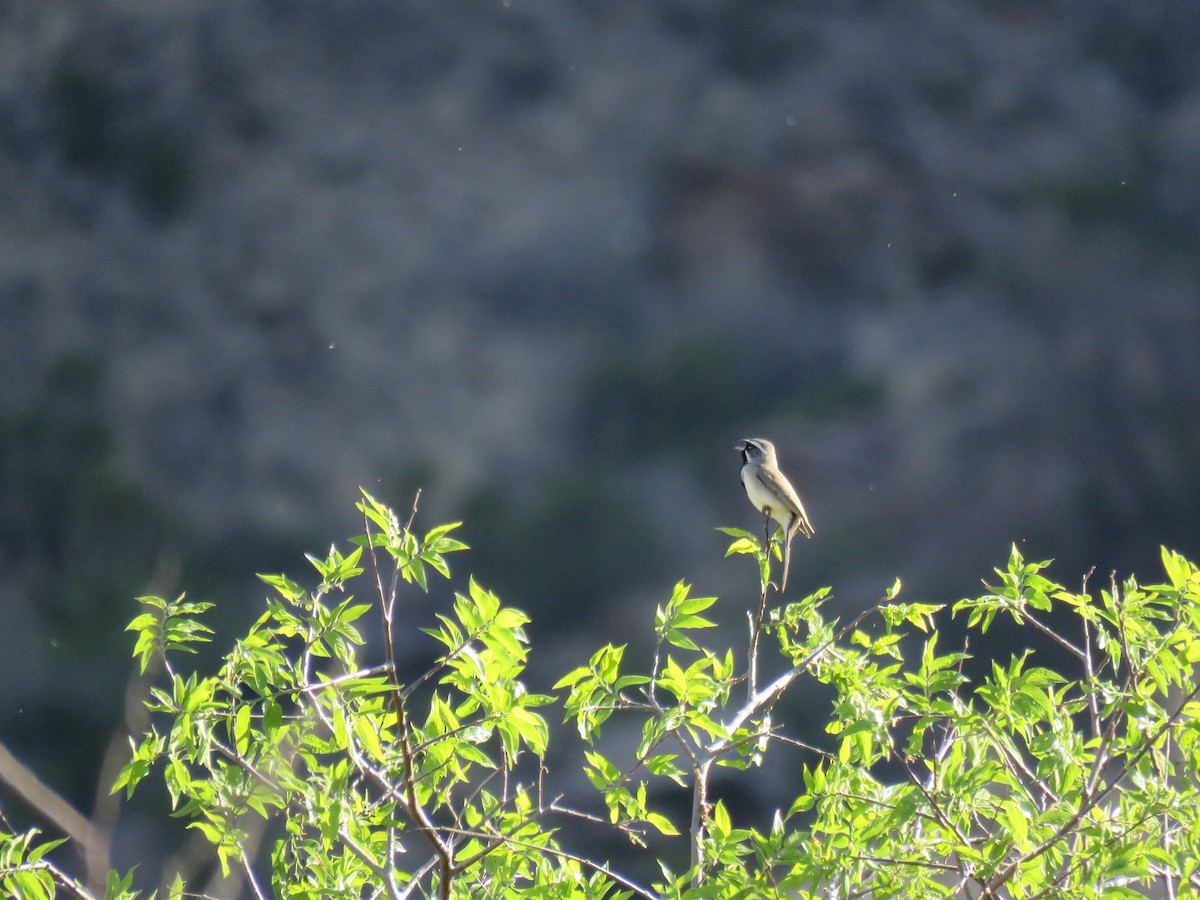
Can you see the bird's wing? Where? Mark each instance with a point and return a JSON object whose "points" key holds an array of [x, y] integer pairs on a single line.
{"points": [[803, 523], [775, 482]]}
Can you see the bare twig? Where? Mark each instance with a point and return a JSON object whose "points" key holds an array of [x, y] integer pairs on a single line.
{"points": [[699, 819], [1089, 668], [604, 870], [1025, 776], [254, 885], [764, 699], [385, 874], [48, 802], [412, 805], [62, 878], [382, 669], [752, 656]]}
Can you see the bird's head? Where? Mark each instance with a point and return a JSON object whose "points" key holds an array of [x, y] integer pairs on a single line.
{"points": [[756, 450]]}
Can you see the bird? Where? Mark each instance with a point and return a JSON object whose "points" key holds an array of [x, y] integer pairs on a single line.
{"points": [[772, 494]]}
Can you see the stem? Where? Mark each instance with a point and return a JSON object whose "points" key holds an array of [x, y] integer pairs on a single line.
{"points": [[755, 631], [412, 806], [254, 885], [603, 869], [1089, 668], [699, 817]]}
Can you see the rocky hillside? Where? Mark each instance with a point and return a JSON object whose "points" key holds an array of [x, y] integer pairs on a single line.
{"points": [[550, 261]]}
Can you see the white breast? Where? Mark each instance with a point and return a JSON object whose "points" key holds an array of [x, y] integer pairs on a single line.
{"points": [[763, 499]]}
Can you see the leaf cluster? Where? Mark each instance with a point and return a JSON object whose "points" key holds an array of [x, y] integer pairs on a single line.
{"points": [[1075, 781]]}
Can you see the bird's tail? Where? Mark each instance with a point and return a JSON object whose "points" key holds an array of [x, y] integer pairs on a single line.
{"points": [[787, 559]]}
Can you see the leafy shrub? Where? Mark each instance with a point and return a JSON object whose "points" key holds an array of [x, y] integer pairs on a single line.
{"points": [[1032, 783]]}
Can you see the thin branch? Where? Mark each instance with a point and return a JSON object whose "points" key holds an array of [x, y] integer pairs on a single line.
{"points": [[1086, 803], [48, 802], [412, 805], [1122, 638], [444, 662], [385, 875], [1052, 634], [1101, 761], [752, 655], [699, 819], [555, 807], [759, 701], [382, 669], [1016, 764], [650, 692], [1090, 674], [764, 699], [254, 885], [1083, 861], [425, 868], [604, 870], [939, 814], [135, 720], [912, 863], [795, 742], [61, 877]]}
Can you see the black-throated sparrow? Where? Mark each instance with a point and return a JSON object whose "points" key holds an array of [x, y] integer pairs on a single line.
{"points": [[772, 494]]}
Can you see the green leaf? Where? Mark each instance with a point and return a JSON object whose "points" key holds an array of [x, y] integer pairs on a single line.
{"points": [[532, 729], [367, 732], [679, 639], [1178, 570], [662, 823], [692, 605], [241, 729], [572, 677]]}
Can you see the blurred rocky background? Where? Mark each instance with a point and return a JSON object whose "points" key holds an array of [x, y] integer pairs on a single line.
{"points": [[549, 261]]}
